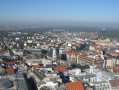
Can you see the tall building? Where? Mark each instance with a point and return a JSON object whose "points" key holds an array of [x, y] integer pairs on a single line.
{"points": [[54, 56]]}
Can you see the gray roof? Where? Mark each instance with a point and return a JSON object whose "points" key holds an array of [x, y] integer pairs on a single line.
{"points": [[20, 82], [5, 84]]}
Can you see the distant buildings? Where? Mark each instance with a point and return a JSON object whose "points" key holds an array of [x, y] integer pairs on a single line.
{"points": [[81, 57]]}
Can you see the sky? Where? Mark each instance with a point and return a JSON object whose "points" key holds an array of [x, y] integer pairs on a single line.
{"points": [[59, 10]]}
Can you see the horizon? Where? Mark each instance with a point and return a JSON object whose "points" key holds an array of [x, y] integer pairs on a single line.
{"points": [[63, 11]]}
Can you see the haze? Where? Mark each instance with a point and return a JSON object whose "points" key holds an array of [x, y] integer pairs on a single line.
{"points": [[59, 12]]}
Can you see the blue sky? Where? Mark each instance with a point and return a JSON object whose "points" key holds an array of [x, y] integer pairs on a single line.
{"points": [[59, 10]]}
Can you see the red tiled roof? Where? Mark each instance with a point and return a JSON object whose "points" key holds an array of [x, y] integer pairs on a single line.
{"points": [[74, 86], [116, 69], [115, 53], [114, 83], [60, 68], [10, 70], [11, 62]]}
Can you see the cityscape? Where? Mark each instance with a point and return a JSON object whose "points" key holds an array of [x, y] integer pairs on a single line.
{"points": [[48, 47]]}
